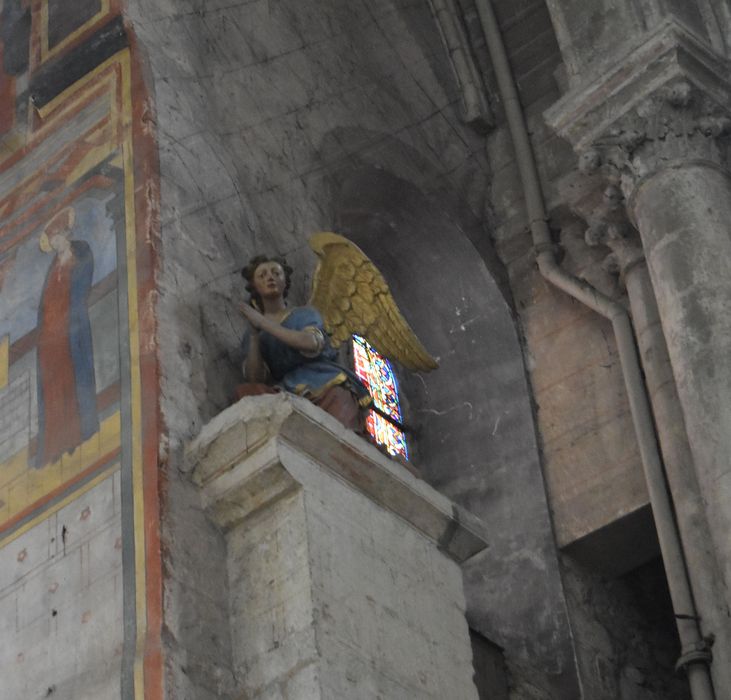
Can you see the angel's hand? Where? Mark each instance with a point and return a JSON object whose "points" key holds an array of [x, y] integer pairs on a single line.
{"points": [[254, 317]]}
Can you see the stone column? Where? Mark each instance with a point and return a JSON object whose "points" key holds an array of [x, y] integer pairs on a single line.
{"points": [[344, 569], [683, 212], [656, 123], [612, 229]]}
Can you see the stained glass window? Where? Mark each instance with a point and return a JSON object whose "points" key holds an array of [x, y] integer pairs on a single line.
{"points": [[376, 373]]}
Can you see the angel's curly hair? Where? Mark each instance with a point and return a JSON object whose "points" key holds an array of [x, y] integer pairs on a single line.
{"points": [[248, 274]]}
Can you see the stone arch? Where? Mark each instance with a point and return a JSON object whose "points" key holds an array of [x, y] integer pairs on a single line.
{"points": [[473, 417], [454, 304]]}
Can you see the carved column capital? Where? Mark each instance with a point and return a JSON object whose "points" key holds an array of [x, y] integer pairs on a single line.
{"points": [[601, 213], [677, 123], [610, 226], [669, 101]]}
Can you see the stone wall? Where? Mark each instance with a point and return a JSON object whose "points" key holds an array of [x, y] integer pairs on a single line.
{"points": [[575, 375], [259, 108], [276, 120], [590, 457], [624, 630], [61, 602]]}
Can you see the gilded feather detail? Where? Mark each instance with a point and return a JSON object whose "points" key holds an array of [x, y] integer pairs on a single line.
{"points": [[353, 297]]}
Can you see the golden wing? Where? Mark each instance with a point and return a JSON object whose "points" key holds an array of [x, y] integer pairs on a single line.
{"points": [[353, 297]]}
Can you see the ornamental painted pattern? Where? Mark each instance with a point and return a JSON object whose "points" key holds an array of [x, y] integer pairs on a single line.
{"points": [[376, 373]]}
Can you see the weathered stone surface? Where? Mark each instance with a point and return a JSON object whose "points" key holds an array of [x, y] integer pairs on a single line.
{"points": [[61, 602], [590, 48], [628, 106], [342, 566], [226, 466], [293, 105], [686, 242], [198, 632], [614, 661]]}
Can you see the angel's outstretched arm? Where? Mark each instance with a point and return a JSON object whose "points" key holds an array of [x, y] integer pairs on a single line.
{"points": [[309, 342]]}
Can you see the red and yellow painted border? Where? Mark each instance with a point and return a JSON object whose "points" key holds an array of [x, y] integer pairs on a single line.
{"points": [[41, 51], [128, 130]]}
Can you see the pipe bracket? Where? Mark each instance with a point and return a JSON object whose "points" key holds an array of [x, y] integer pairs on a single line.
{"points": [[700, 653]]}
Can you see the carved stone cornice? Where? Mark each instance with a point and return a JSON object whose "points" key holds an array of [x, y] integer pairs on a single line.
{"points": [[668, 100], [264, 447]]}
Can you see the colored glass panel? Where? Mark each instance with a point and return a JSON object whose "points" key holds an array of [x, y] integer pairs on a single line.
{"points": [[376, 373]]}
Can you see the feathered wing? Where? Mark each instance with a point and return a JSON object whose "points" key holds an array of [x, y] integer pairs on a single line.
{"points": [[353, 297]]}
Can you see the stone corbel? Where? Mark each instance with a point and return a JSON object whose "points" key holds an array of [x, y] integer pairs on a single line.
{"points": [[609, 226], [597, 201], [342, 567]]}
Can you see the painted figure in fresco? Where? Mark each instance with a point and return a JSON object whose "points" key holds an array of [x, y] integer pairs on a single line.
{"points": [[67, 412], [295, 349]]}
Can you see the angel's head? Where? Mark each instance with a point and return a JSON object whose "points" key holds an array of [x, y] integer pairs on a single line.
{"points": [[267, 276]]}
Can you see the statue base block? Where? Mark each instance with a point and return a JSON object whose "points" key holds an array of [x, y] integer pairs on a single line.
{"points": [[343, 568]]}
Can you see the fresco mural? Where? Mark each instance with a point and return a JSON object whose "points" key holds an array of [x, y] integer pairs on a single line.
{"points": [[61, 226], [77, 166], [67, 411], [54, 284]]}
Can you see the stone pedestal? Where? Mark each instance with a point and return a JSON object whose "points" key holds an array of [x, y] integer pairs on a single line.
{"points": [[344, 569]]}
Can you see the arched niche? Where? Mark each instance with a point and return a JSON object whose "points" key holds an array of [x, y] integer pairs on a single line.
{"points": [[473, 424], [464, 412]]}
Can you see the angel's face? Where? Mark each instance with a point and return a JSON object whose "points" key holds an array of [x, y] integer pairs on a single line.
{"points": [[269, 280]]}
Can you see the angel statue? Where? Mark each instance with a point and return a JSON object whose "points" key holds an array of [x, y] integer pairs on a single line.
{"points": [[295, 349]]}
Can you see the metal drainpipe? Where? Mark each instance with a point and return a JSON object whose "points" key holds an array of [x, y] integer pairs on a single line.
{"points": [[695, 657]]}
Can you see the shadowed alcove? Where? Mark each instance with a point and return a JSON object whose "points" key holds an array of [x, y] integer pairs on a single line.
{"points": [[473, 431]]}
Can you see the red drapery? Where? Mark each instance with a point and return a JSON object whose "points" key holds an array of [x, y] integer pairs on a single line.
{"points": [[62, 428]]}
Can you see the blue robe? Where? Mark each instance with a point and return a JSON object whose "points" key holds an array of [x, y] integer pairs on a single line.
{"points": [[307, 376]]}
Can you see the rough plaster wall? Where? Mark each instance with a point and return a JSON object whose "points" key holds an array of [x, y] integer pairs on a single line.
{"points": [[196, 631], [472, 419], [258, 104], [625, 636], [61, 602], [246, 94], [263, 111]]}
